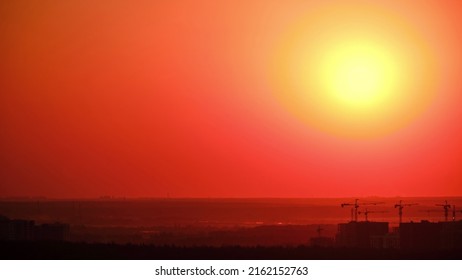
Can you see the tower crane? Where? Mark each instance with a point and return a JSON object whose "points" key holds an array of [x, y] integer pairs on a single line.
{"points": [[446, 207], [367, 212], [400, 207], [356, 206]]}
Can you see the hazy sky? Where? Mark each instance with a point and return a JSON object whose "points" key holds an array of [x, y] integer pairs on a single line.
{"points": [[206, 98]]}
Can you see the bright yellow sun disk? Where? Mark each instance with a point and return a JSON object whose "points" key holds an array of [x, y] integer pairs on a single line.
{"points": [[358, 75]]}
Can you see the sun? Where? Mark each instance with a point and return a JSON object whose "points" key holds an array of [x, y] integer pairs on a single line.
{"points": [[358, 74], [354, 71]]}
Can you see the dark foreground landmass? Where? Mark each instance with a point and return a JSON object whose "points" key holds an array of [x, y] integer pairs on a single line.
{"points": [[22, 250]]}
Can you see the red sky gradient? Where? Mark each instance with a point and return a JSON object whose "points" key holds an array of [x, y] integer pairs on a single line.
{"points": [[179, 98]]}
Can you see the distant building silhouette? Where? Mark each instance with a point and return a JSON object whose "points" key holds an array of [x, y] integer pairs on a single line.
{"points": [[48, 232], [359, 234], [25, 230], [322, 241], [16, 229]]}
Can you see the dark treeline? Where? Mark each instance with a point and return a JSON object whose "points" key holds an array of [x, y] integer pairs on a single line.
{"points": [[22, 250]]}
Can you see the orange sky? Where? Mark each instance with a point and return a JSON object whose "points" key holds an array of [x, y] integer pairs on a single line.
{"points": [[197, 99]]}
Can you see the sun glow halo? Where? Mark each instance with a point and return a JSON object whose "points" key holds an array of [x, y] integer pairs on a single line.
{"points": [[355, 72]]}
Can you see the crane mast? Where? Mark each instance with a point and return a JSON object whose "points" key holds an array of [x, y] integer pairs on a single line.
{"points": [[400, 207], [453, 213], [355, 207], [446, 207]]}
